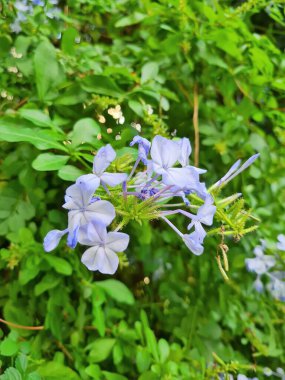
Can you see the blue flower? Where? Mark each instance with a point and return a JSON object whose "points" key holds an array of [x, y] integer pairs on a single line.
{"points": [[194, 241], [165, 154], [104, 246], [38, 2], [261, 263], [82, 210], [102, 160], [281, 244], [144, 148], [235, 170], [204, 215], [276, 285], [185, 151]]}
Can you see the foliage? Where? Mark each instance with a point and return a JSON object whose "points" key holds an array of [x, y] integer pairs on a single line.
{"points": [[166, 314]]}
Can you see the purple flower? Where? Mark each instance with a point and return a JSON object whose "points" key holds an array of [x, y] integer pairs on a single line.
{"points": [[281, 244], [104, 246], [102, 160], [82, 210], [144, 147]]}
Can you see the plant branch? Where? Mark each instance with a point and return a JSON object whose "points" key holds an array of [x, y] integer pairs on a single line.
{"points": [[16, 326]]}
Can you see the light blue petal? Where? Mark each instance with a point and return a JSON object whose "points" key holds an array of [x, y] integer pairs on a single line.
{"points": [[144, 147], [52, 239], [186, 150], [113, 179], [192, 242], [164, 153], [103, 158]]}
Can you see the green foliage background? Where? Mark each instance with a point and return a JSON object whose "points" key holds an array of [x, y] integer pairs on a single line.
{"points": [[168, 314]]}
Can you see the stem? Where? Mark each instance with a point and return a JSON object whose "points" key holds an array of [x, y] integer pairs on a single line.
{"points": [[16, 326], [157, 195], [172, 226], [133, 169], [152, 180], [179, 211], [196, 125], [105, 188], [120, 226], [82, 161]]}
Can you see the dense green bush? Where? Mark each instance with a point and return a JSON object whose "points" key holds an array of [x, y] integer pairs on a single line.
{"points": [[211, 71]]}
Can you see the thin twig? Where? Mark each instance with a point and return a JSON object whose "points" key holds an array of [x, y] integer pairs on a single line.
{"points": [[16, 326], [196, 124], [64, 350], [21, 103]]}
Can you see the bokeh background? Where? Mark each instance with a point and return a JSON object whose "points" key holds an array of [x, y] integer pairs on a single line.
{"points": [[166, 314]]}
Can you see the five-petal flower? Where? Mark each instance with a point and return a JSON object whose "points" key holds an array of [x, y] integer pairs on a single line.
{"points": [[102, 160], [102, 255]]}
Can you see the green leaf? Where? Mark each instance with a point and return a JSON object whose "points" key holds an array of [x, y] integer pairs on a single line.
{"points": [[40, 139], [163, 348], [37, 117], [73, 95], [47, 69], [59, 265], [5, 43], [132, 19], [151, 343], [99, 319], [143, 360], [68, 41], [8, 347], [11, 374], [69, 173], [149, 72], [49, 161], [84, 131], [56, 371], [102, 85], [113, 376], [101, 349], [117, 290], [48, 282]]}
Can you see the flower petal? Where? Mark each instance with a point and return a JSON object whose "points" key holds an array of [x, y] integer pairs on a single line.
{"points": [[185, 152], [103, 158], [78, 196], [193, 243], [100, 211], [93, 234], [96, 258], [165, 153], [89, 181], [52, 239], [117, 241], [113, 179]]}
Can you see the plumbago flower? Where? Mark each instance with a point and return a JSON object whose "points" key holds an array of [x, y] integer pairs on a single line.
{"points": [[100, 198], [262, 264]]}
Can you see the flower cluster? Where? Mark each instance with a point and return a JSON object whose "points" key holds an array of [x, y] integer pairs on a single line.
{"points": [[139, 195], [266, 371], [239, 377], [263, 264], [25, 8]]}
